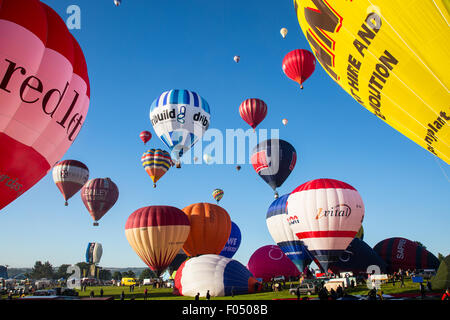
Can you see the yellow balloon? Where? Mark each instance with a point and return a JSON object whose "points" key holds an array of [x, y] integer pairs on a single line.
{"points": [[390, 56]]}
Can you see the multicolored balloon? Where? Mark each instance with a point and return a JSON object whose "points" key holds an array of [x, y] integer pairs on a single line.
{"points": [[299, 65], [269, 262], [70, 176], [253, 111], [401, 253], [210, 229], [179, 118], [274, 160], [145, 136], [402, 76], [233, 243], [281, 232], [99, 196], [284, 121], [45, 94], [156, 234], [220, 275], [94, 252], [325, 214], [156, 163], [217, 195]]}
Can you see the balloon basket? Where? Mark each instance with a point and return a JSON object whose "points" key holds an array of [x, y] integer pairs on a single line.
{"points": [[95, 224], [66, 203], [154, 185]]}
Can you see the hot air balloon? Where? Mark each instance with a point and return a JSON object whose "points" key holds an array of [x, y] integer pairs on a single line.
{"points": [[156, 234], [238, 168], [179, 118], [145, 136], [283, 32], [156, 162], [176, 262], [274, 160], [208, 158], [117, 2], [284, 121], [401, 253], [45, 94], [69, 176], [253, 111], [217, 194], [94, 252], [357, 258], [210, 229], [233, 243], [99, 195], [281, 232], [325, 214], [299, 65], [368, 48], [220, 275], [269, 262], [236, 59]]}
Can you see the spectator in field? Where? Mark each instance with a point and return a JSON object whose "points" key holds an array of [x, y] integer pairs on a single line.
{"points": [[323, 293], [297, 292], [422, 290], [91, 294], [402, 279], [145, 293], [446, 295], [429, 285], [122, 295], [232, 291], [372, 294], [333, 294], [208, 296], [340, 292], [197, 296]]}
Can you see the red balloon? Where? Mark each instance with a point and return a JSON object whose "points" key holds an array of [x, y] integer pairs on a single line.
{"points": [[45, 92], [299, 65], [145, 136], [98, 196], [253, 111]]}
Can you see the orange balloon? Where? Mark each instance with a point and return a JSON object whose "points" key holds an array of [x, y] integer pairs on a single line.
{"points": [[210, 229]]}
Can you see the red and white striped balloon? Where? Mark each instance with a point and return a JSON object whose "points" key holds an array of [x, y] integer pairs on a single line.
{"points": [[70, 176], [325, 214], [253, 111], [44, 94]]}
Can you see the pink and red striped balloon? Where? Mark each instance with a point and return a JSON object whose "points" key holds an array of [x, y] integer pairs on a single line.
{"points": [[299, 65], [145, 136], [99, 195], [253, 111]]}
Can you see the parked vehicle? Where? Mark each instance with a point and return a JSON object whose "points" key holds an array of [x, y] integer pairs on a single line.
{"points": [[305, 288]]}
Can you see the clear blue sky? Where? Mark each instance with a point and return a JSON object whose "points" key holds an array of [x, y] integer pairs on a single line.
{"points": [[138, 50]]}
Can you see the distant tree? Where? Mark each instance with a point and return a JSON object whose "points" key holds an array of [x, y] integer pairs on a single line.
{"points": [[84, 268], [128, 274], [117, 275], [105, 274], [147, 274], [42, 270], [420, 244], [440, 257], [62, 272]]}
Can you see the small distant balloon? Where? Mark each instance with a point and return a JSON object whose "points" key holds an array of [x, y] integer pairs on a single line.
{"points": [[283, 32], [117, 2], [145, 136], [217, 194], [208, 159], [285, 121], [238, 168], [237, 58]]}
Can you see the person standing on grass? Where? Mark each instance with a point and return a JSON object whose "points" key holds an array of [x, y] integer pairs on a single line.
{"points": [[145, 293], [101, 292], [298, 293], [208, 296], [122, 295], [422, 290], [91, 294], [402, 284], [197, 296]]}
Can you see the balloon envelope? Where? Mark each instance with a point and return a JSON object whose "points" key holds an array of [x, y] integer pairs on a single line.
{"points": [[99, 195], [281, 232], [94, 252], [253, 111], [156, 234], [45, 94], [401, 253], [283, 32], [210, 229], [325, 214], [233, 243], [156, 163], [269, 261], [179, 118], [220, 275], [299, 65], [369, 49], [70, 176], [274, 160], [145, 136], [217, 194]]}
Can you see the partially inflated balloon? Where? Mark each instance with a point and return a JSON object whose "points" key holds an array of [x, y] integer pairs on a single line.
{"points": [[145, 136], [156, 234], [233, 243], [94, 252], [99, 195], [210, 229], [217, 194], [299, 65], [44, 94], [274, 160], [278, 225], [69, 176], [221, 276], [325, 214], [390, 56], [180, 118], [156, 163], [253, 111]]}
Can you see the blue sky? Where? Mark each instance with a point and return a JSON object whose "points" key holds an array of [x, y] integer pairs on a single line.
{"points": [[138, 50]]}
